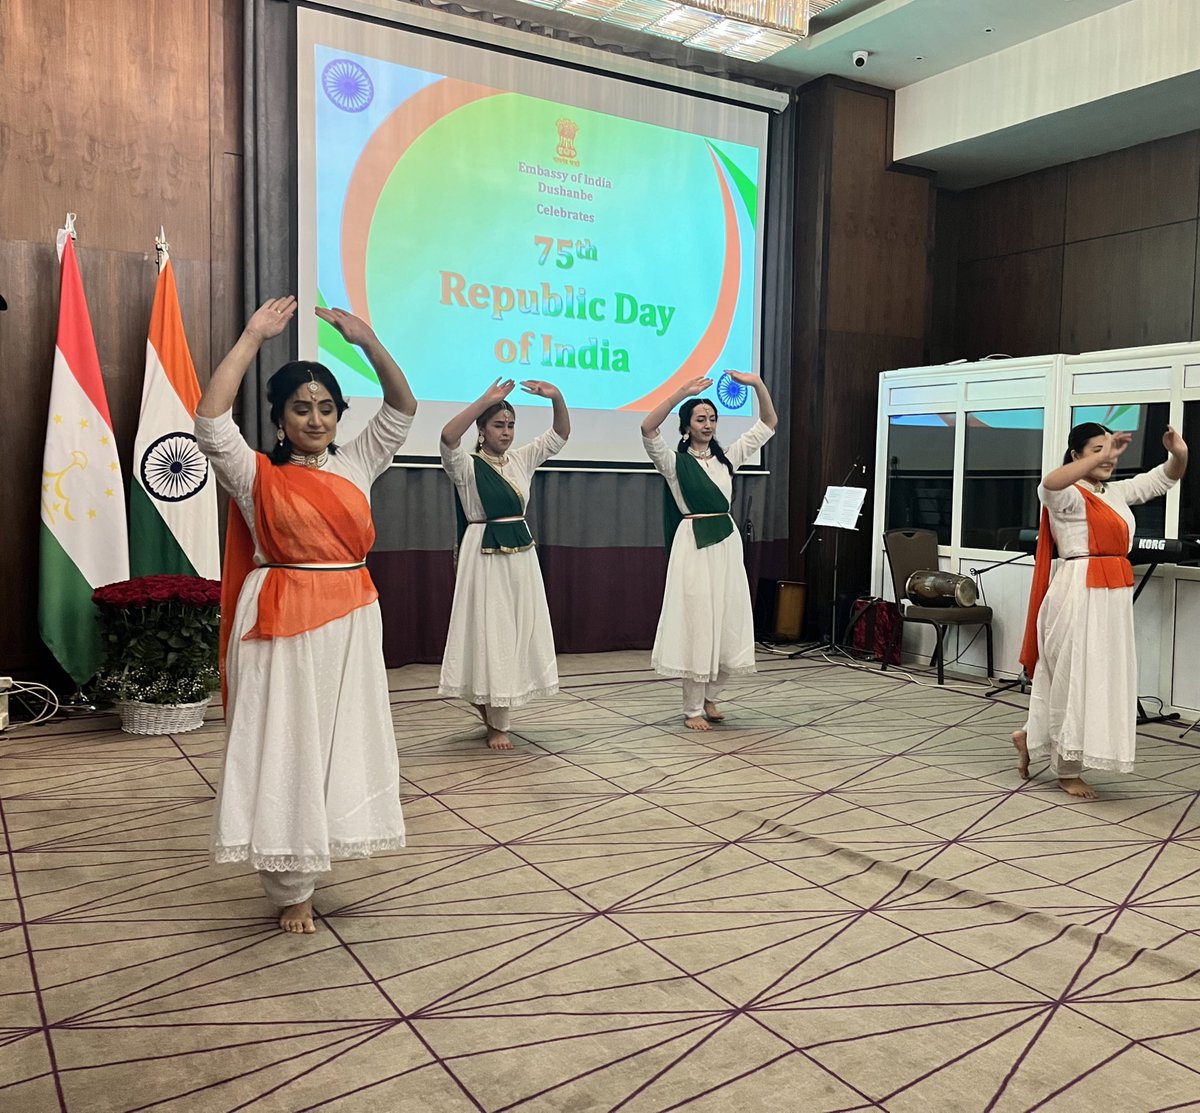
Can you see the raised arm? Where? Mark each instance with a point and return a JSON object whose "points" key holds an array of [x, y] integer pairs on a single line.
{"points": [[396, 391], [561, 422], [1177, 454], [268, 320], [1071, 473], [766, 408], [655, 418], [454, 429]]}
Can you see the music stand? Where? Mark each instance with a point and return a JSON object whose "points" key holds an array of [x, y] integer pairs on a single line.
{"points": [[1022, 681], [840, 509]]}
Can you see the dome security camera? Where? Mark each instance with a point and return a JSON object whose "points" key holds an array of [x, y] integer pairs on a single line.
{"points": [[859, 58]]}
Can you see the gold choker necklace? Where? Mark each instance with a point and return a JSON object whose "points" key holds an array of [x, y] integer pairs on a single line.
{"points": [[311, 460], [499, 461], [699, 455]]}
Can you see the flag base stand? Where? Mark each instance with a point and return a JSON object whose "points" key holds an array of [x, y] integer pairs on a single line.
{"points": [[77, 704]]}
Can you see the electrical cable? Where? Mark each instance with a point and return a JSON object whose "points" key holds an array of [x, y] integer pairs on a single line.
{"points": [[25, 693]]}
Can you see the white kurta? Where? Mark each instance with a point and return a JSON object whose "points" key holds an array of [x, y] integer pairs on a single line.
{"points": [[500, 646], [706, 625], [311, 771], [1083, 702]]}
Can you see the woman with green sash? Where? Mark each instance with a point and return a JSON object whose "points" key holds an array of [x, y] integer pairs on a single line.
{"points": [[706, 628], [500, 647]]}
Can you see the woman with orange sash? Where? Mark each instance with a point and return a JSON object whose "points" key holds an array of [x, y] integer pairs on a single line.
{"points": [[310, 771], [1079, 646], [500, 645], [706, 626]]}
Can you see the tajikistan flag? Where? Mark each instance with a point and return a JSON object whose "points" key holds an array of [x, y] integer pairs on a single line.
{"points": [[83, 503], [172, 498]]}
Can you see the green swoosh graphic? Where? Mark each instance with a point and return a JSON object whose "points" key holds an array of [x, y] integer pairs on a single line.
{"points": [[745, 187]]}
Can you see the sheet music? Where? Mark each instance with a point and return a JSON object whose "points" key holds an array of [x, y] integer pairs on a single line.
{"points": [[841, 507]]}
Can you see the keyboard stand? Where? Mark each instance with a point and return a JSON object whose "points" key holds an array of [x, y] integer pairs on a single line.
{"points": [[1143, 716]]}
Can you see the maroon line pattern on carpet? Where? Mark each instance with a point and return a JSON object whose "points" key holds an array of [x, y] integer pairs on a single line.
{"points": [[843, 898]]}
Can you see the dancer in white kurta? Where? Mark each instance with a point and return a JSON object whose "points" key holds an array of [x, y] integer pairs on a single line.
{"points": [[1079, 644], [310, 771], [706, 626], [500, 646]]}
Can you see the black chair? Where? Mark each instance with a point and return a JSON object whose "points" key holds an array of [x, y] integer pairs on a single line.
{"points": [[916, 550]]}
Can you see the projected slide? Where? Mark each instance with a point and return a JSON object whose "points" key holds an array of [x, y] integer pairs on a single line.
{"points": [[486, 231]]}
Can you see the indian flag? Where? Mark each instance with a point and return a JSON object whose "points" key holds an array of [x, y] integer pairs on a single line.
{"points": [[173, 496], [83, 542]]}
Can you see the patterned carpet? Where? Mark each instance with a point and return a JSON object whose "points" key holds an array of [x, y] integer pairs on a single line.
{"points": [[841, 899]]}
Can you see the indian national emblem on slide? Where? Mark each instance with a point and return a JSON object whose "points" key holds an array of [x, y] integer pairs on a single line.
{"points": [[565, 151]]}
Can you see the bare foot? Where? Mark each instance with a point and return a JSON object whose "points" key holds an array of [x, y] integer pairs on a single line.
{"points": [[498, 739], [697, 722], [298, 918], [1077, 786], [1021, 740], [711, 713]]}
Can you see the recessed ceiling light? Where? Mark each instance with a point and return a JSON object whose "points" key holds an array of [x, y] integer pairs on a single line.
{"points": [[919, 58], [988, 30]]}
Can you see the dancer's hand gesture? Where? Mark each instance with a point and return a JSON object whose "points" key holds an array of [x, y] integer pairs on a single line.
{"points": [[693, 387], [497, 392], [353, 329], [541, 389], [1174, 443], [271, 318], [1114, 446]]}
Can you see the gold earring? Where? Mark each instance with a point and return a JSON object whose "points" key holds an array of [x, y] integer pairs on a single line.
{"points": [[279, 435], [479, 443]]}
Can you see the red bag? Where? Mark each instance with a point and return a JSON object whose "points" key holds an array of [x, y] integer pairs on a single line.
{"points": [[872, 623]]}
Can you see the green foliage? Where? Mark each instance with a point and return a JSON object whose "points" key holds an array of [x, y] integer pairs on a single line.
{"points": [[159, 652]]}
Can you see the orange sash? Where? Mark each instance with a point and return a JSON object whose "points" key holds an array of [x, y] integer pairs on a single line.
{"points": [[302, 516], [1108, 564]]}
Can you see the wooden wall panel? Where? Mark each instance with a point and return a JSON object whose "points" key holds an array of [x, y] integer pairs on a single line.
{"points": [[1123, 270], [1139, 187], [944, 343], [854, 361], [26, 356], [107, 105], [879, 227], [1009, 304], [1136, 288], [128, 114], [814, 154], [1021, 214], [864, 239], [1196, 290]]}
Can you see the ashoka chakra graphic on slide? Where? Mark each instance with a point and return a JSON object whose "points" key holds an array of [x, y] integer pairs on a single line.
{"points": [[174, 468], [731, 393], [347, 84]]}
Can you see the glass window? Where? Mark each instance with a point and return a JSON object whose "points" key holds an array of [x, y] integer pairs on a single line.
{"points": [[1189, 487], [1147, 421], [1003, 467], [920, 479]]}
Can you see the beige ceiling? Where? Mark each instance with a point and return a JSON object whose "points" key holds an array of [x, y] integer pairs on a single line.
{"points": [[911, 40]]}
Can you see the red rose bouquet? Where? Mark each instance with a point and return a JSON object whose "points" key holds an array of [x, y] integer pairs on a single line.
{"points": [[160, 638]]}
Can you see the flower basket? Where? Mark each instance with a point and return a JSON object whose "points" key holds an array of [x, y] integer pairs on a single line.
{"points": [[160, 718], [160, 636]]}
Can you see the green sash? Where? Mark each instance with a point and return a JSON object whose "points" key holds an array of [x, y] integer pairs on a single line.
{"points": [[500, 499], [702, 496]]}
